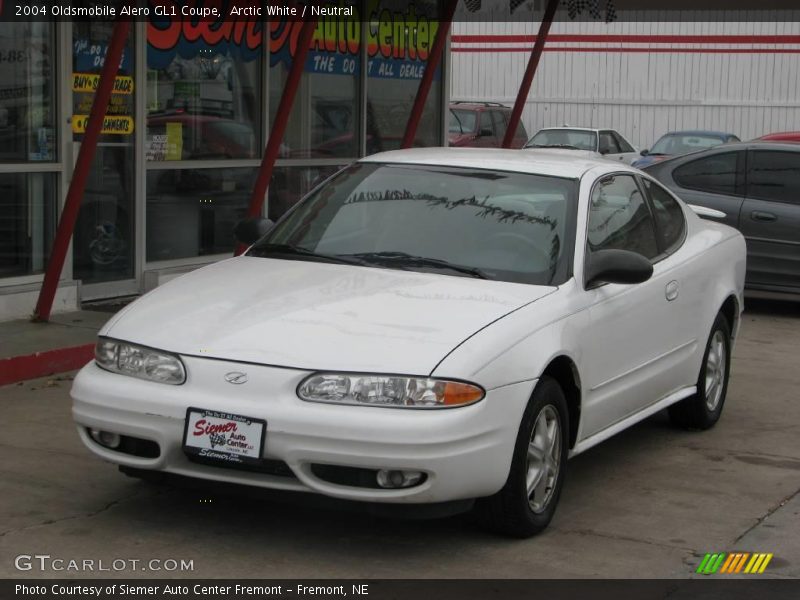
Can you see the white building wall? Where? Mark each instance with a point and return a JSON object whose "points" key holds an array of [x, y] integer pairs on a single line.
{"points": [[742, 78]]}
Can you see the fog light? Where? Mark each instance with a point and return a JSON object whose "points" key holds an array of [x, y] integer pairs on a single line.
{"points": [[398, 479], [105, 438]]}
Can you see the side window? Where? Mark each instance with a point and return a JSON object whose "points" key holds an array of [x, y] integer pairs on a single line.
{"points": [[486, 122], [619, 218], [715, 174], [608, 145], [773, 175], [670, 221], [499, 123], [623, 144]]}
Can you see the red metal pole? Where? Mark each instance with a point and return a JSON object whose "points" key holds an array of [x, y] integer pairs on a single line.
{"points": [[430, 70], [281, 120], [72, 203], [530, 71]]}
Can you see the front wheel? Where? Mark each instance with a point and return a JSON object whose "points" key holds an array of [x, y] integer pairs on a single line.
{"points": [[703, 410], [527, 502]]}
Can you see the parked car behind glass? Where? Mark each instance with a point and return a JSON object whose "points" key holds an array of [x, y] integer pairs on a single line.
{"points": [[756, 187], [676, 143]]}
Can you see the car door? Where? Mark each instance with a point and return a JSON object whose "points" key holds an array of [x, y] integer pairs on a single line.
{"points": [[770, 219], [607, 145], [632, 347], [714, 179], [487, 137], [628, 151]]}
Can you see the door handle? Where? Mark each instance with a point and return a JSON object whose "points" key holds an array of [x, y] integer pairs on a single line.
{"points": [[672, 290], [758, 215]]}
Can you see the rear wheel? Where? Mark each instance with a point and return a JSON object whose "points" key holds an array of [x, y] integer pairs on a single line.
{"points": [[527, 502], [703, 410]]}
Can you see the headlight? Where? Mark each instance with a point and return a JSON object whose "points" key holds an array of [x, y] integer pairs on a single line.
{"points": [[388, 391], [137, 361]]}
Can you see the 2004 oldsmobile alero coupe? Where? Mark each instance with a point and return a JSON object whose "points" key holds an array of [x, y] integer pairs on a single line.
{"points": [[432, 326]]}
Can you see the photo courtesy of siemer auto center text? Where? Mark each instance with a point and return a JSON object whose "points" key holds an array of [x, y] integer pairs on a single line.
{"points": [[400, 299]]}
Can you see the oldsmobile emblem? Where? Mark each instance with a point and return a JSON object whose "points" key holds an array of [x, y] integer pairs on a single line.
{"points": [[236, 377]]}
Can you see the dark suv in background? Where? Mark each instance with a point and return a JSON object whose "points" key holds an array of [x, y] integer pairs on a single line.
{"points": [[755, 187], [482, 125]]}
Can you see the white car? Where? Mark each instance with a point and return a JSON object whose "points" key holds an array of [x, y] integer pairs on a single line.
{"points": [[605, 143], [428, 327]]}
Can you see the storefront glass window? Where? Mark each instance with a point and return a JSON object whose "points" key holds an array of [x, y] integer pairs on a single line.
{"points": [[192, 212], [399, 39], [27, 222], [324, 121], [27, 84], [204, 97], [290, 184], [104, 241]]}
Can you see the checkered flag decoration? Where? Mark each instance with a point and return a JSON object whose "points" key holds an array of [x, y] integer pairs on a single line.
{"points": [[574, 8]]}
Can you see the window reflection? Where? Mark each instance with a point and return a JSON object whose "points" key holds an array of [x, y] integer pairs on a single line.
{"points": [[203, 101], [27, 120], [192, 212]]}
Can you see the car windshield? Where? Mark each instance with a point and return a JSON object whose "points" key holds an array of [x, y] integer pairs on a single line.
{"points": [[555, 138], [462, 121], [683, 144], [490, 224]]}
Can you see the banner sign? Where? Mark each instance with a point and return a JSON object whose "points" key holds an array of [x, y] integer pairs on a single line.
{"points": [[398, 43]]}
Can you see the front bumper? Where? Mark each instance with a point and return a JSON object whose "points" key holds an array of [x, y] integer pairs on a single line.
{"points": [[465, 452]]}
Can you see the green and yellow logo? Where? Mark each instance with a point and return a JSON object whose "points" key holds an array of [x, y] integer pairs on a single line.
{"points": [[732, 563]]}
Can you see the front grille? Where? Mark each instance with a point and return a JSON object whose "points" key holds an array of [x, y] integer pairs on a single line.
{"points": [[268, 466]]}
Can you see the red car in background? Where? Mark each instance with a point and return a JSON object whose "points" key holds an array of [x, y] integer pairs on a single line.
{"points": [[482, 125], [786, 136]]}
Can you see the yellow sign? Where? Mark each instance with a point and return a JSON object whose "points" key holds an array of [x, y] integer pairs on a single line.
{"points": [[174, 141], [88, 82], [112, 125]]}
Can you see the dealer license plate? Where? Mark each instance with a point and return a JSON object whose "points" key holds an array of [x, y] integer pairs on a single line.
{"points": [[222, 437]]}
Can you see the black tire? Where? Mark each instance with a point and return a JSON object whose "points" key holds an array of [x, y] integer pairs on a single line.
{"points": [[510, 511], [703, 410]]}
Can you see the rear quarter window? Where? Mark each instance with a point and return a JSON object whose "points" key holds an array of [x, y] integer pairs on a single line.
{"points": [[715, 174]]}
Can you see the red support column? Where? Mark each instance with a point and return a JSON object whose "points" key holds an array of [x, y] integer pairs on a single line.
{"points": [[281, 120], [431, 65], [530, 71], [72, 203]]}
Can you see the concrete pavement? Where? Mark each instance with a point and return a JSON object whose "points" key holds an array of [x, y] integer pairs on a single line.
{"points": [[648, 503]]}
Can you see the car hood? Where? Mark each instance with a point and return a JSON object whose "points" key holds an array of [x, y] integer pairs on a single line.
{"points": [[318, 316]]}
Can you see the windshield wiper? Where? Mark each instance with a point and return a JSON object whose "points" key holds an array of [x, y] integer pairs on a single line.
{"points": [[264, 250], [405, 259], [567, 146]]}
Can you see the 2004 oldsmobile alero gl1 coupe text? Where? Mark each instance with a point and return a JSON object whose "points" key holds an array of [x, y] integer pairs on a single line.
{"points": [[429, 326]]}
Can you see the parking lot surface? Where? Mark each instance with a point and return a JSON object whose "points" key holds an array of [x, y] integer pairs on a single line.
{"points": [[649, 503]]}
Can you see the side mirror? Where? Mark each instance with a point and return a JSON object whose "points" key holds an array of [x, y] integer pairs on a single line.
{"points": [[249, 231], [485, 132], [617, 266], [645, 152], [603, 151]]}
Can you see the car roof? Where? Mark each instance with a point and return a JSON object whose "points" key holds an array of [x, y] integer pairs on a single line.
{"points": [[541, 162], [781, 135], [595, 129], [720, 134], [722, 149], [479, 105]]}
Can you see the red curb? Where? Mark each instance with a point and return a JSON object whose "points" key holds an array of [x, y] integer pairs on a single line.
{"points": [[41, 364]]}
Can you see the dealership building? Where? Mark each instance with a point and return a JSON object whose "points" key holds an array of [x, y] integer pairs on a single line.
{"points": [[193, 104], [185, 132]]}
